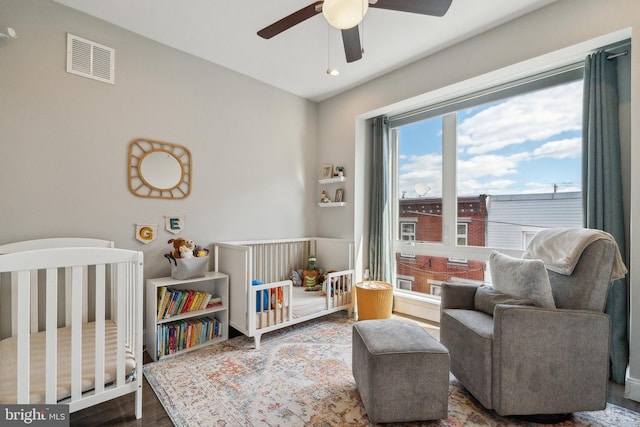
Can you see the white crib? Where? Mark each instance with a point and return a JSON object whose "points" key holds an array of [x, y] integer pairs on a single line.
{"points": [[69, 303], [254, 309]]}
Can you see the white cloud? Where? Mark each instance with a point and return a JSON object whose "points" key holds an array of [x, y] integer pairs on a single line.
{"points": [[487, 165], [562, 149], [530, 117], [482, 167]]}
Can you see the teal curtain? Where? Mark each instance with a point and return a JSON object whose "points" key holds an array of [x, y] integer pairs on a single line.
{"points": [[380, 234], [602, 188]]}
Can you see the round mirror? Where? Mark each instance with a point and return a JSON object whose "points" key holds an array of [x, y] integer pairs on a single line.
{"points": [[161, 170]]}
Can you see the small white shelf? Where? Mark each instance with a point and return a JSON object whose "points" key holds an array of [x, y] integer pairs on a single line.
{"points": [[332, 180], [332, 204], [213, 282]]}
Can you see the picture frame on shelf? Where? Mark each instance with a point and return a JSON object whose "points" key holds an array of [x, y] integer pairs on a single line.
{"points": [[339, 195], [327, 172]]}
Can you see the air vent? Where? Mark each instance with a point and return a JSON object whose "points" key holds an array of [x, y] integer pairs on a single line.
{"points": [[90, 59]]}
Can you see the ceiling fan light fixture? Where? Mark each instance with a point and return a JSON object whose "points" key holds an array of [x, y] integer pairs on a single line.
{"points": [[344, 14]]}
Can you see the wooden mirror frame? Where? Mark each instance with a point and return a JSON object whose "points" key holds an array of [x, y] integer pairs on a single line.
{"points": [[141, 186]]}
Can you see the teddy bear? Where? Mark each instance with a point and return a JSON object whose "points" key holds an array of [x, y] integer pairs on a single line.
{"points": [[181, 242]]}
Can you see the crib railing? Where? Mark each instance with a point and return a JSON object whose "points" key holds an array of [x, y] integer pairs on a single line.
{"points": [[106, 275], [338, 287], [273, 261], [37, 306]]}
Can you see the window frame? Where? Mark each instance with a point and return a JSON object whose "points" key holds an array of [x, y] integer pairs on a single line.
{"points": [[448, 247]]}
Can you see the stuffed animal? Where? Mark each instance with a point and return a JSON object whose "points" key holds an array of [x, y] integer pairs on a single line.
{"points": [[177, 243], [296, 278], [276, 297], [185, 252], [199, 251], [310, 276], [176, 246]]}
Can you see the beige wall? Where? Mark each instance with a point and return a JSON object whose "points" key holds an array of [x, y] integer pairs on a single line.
{"points": [[64, 140], [570, 27]]}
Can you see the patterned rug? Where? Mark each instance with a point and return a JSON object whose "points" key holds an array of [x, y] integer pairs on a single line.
{"points": [[301, 376]]}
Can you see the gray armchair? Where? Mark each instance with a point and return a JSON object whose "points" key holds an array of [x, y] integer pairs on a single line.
{"points": [[529, 360]]}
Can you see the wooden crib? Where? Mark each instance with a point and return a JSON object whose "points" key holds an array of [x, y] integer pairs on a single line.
{"points": [[276, 303], [66, 304]]}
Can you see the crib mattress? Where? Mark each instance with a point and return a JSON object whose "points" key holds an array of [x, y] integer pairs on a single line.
{"points": [[8, 367], [306, 303]]}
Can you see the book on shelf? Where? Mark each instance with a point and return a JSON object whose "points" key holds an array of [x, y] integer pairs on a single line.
{"points": [[172, 302], [214, 301], [183, 334], [163, 299]]}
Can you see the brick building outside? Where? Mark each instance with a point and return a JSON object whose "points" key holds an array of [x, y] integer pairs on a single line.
{"points": [[421, 220]]}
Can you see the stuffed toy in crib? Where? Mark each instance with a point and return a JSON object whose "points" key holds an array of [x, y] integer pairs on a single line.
{"points": [[311, 276]]}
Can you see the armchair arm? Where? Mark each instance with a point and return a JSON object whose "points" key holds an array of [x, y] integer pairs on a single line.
{"points": [[457, 295], [557, 360]]}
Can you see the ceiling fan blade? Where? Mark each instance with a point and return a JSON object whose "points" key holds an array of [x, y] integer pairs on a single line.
{"points": [[290, 20], [351, 41], [423, 7]]}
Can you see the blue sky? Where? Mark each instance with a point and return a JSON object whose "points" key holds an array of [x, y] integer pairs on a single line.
{"points": [[524, 144]]}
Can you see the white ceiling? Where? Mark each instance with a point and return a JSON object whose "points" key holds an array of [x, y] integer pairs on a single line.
{"points": [[224, 32]]}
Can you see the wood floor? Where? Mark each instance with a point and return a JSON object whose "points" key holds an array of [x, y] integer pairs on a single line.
{"points": [[121, 411]]}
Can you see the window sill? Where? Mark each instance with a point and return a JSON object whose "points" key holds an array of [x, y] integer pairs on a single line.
{"points": [[427, 308]]}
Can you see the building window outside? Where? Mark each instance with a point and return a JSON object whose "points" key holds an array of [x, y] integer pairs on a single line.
{"points": [[461, 234], [494, 173], [408, 231], [404, 284]]}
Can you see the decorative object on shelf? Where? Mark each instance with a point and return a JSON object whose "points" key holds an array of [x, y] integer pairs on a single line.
{"points": [[324, 198], [339, 195], [159, 169], [179, 242], [327, 172], [187, 260], [174, 223], [188, 268], [146, 233], [339, 171]]}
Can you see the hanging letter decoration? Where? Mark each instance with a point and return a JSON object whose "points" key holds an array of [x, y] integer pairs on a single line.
{"points": [[174, 223], [146, 233]]}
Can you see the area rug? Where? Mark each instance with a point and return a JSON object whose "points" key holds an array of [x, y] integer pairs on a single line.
{"points": [[301, 376]]}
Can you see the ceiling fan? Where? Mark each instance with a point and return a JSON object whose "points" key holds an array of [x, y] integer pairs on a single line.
{"points": [[347, 14]]}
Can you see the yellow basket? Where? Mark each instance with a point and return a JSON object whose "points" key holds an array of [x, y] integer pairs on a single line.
{"points": [[374, 299]]}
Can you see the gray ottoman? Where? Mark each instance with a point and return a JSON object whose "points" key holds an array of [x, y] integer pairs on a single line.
{"points": [[401, 371]]}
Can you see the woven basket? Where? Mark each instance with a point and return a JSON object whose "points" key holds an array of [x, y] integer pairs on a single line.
{"points": [[374, 299]]}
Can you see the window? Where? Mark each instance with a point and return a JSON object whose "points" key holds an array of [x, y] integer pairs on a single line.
{"points": [[487, 171], [408, 231], [404, 284], [462, 235]]}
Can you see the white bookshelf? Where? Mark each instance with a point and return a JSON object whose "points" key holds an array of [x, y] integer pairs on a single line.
{"points": [[214, 283]]}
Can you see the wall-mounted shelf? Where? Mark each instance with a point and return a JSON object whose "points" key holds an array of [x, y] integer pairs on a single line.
{"points": [[332, 180], [331, 204]]}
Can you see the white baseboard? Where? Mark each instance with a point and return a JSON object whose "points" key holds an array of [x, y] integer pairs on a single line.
{"points": [[417, 307], [631, 388]]}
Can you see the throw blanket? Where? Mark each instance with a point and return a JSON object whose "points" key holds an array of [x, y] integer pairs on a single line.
{"points": [[560, 249]]}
